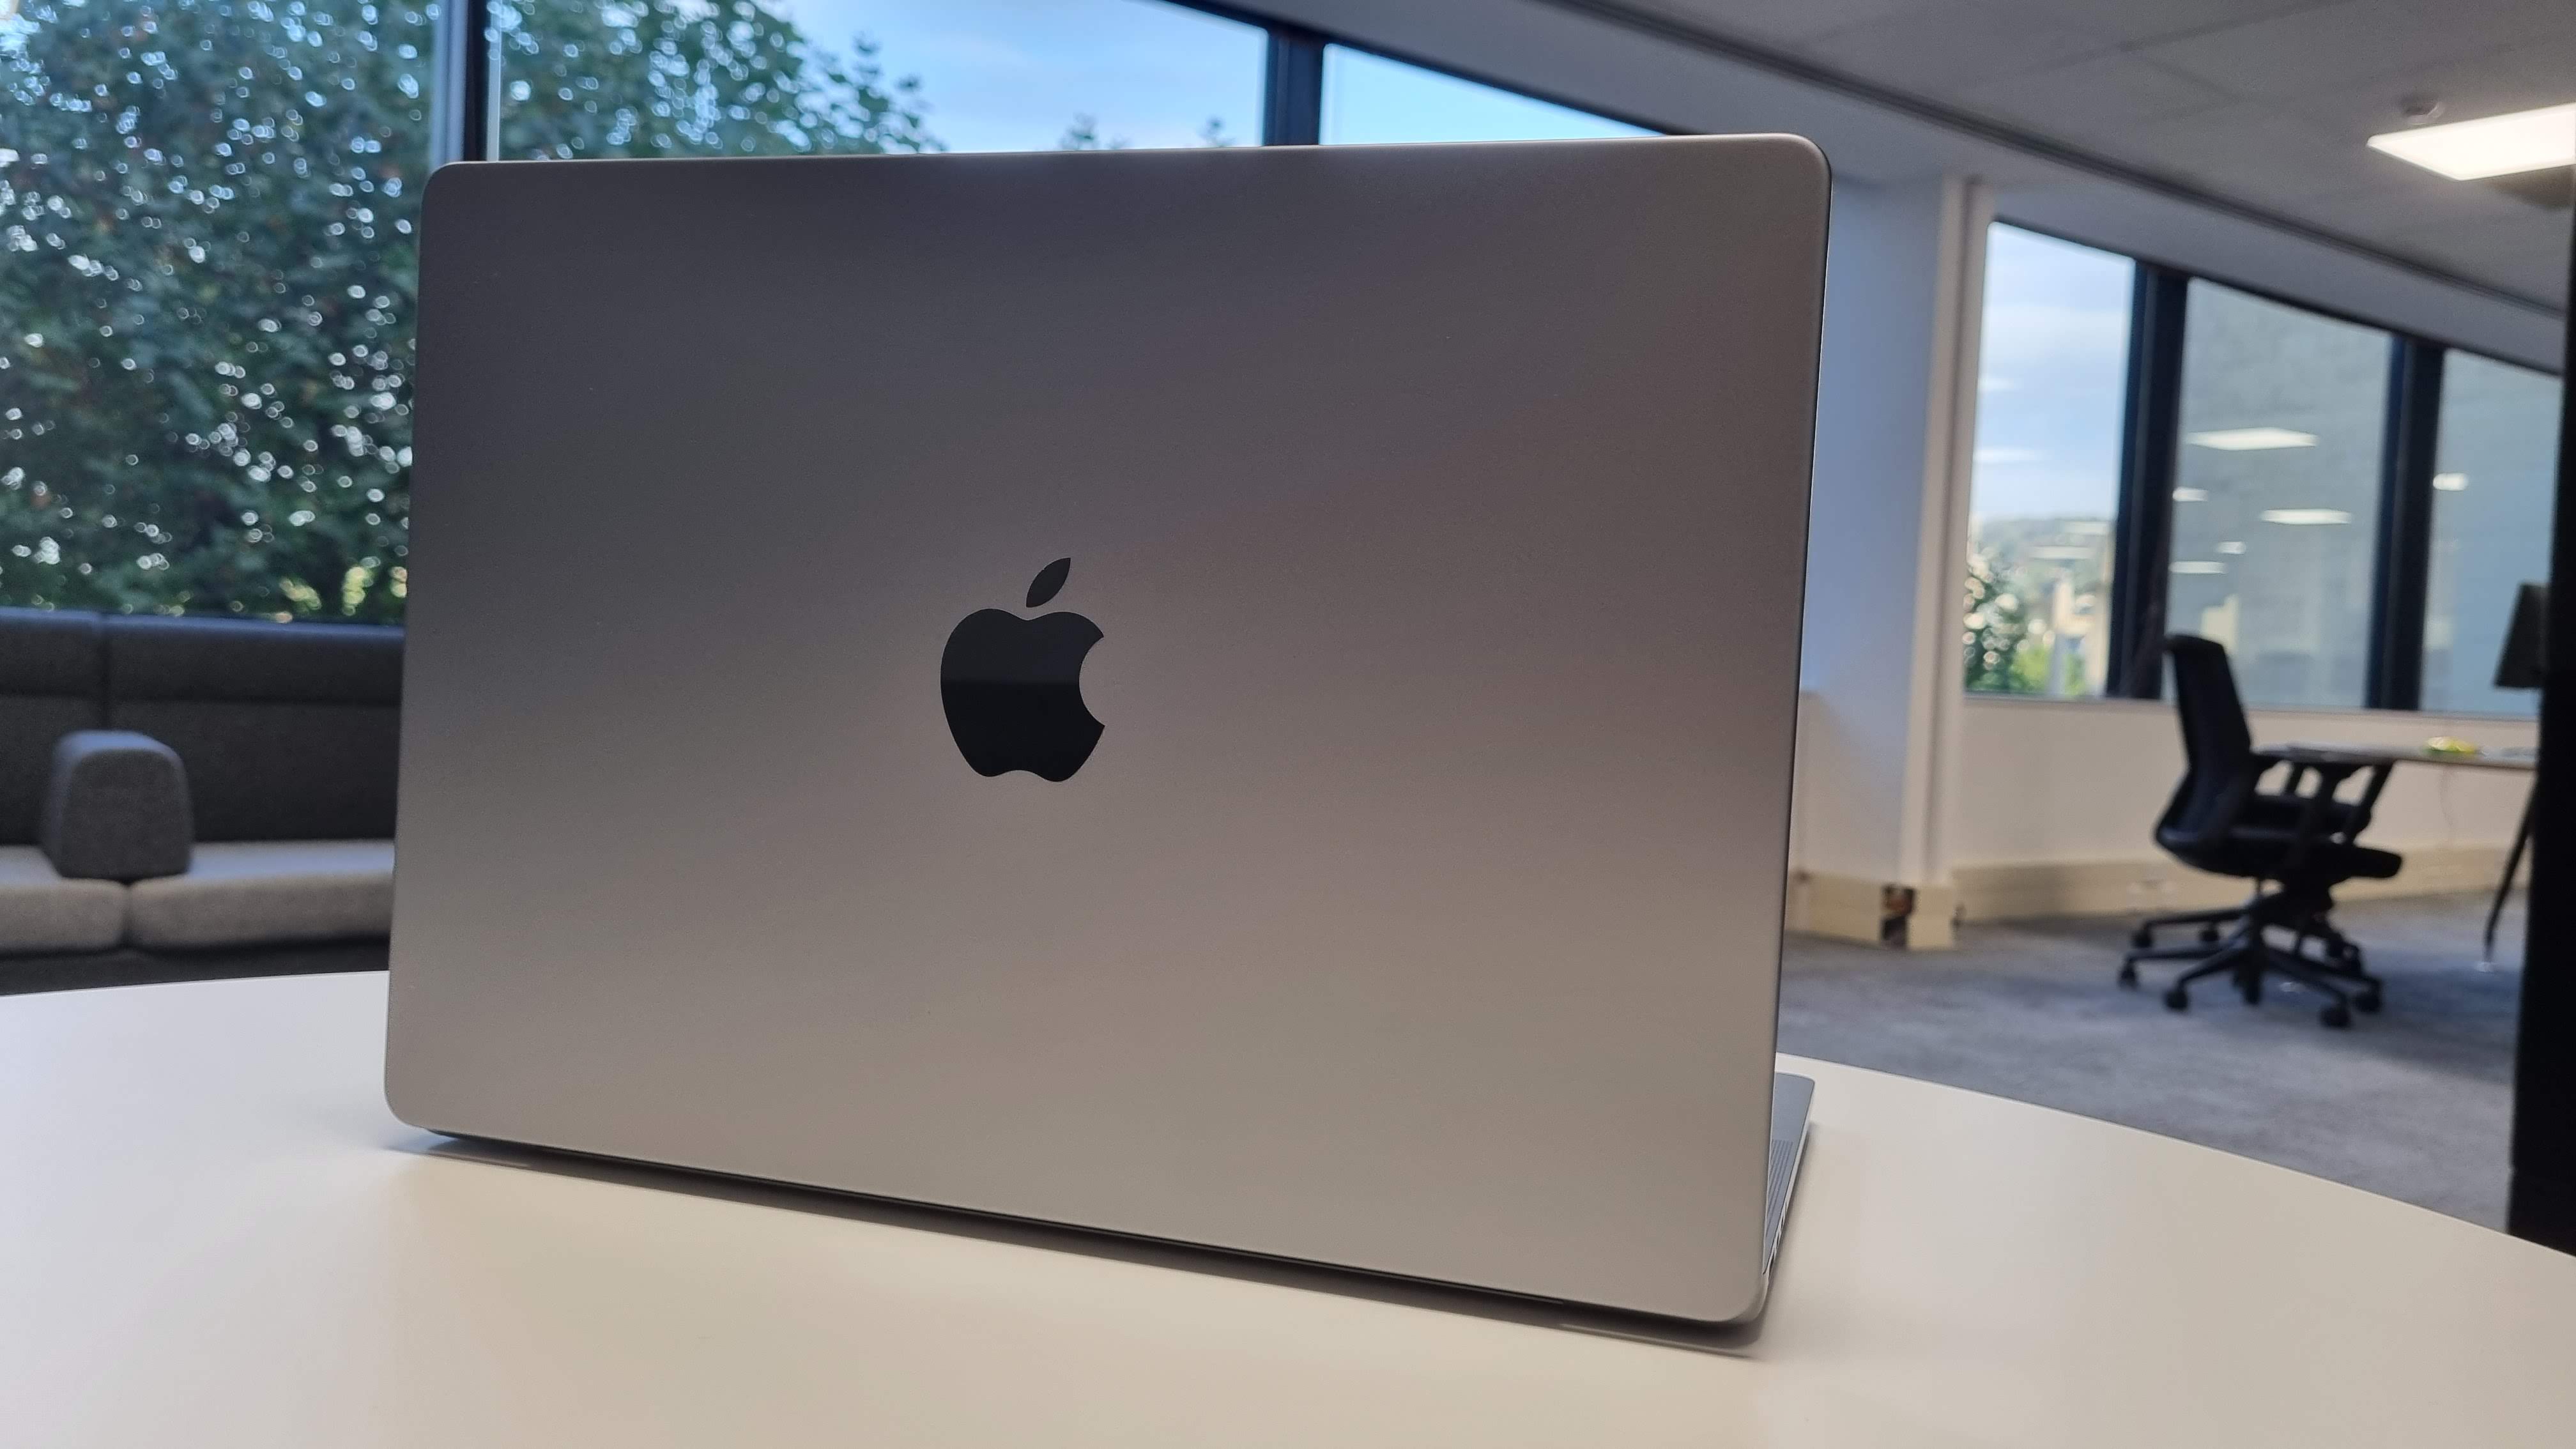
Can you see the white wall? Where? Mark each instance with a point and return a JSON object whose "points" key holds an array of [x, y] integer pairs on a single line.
{"points": [[2058, 801], [2084, 780]]}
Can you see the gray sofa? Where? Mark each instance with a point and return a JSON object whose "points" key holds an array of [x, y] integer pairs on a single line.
{"points": [[186, 797]]}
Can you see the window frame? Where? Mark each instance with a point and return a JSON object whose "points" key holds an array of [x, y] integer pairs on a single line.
{"points": [[2150, 456], [466, 108]]}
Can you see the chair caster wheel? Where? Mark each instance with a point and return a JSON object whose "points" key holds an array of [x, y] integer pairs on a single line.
{"points": [[2252, 991], [2209, 935], [2337, 1016], [2368, 1000], [2177, 999], [2143, 939], [2128, 977]]}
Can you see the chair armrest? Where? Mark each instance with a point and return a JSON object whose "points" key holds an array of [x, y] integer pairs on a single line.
{"points": [[116, 808]]}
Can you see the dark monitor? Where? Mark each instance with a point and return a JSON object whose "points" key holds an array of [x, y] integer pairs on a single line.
{"points": [[2526, 640]]}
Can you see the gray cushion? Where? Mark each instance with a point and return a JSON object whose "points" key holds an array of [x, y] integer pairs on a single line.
{"points": [[51, 672], [247, 892], [288, 730], [246, 660], [41, 911], [279, 771], [118, 807]]}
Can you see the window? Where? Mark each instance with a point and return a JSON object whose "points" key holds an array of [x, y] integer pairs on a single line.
{"points": [[1368, 98], [2284, 419], [2494, 476], [207, 263], [2044, 490], [770, 77]]}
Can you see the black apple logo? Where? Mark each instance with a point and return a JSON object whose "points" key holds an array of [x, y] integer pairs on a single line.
{"points": [[1013, 686]]}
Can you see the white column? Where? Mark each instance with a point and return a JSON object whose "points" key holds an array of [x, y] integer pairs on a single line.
{"points": [[1877, 740]]}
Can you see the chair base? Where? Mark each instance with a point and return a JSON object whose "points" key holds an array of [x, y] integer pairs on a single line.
{"points": [[2247, 956]]}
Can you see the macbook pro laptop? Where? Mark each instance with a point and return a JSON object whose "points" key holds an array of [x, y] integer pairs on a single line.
{"points": [[1242, 697]]}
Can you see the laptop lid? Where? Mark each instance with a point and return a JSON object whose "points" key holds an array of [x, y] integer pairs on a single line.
{"points": [[1425, 529]]}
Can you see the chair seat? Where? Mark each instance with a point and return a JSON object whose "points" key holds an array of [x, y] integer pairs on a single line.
{"points": [[2257, 852], [249, 892], [2284, 812]]}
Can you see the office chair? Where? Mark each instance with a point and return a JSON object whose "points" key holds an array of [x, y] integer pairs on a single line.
{"points": [[2294, 847]]}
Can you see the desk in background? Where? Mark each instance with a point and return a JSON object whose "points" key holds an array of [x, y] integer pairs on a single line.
{"points": [[2523, 759], [2511, 757]]}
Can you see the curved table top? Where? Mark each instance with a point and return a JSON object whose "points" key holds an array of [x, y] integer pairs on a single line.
{"points": [[213, 1233]]}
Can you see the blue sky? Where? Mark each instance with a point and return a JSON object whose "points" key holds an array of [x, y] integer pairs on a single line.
{"points": [[1370, 98], [2052, 379], [1004, 75], [1011, 75]]}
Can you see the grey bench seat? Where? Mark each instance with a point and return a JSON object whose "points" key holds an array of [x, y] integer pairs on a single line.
{"points": [[212, 785], [238, 893], [41, 912]]}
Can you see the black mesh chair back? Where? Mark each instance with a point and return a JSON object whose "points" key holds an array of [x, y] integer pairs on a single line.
{"points": [[2218, 748]]}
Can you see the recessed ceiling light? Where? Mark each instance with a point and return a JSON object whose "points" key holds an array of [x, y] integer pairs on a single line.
{"points": [[2191, 495], [2490, 145], [2450, 482], [2247, 440], [2231, 548], [2199, 566], [2306, 515]]}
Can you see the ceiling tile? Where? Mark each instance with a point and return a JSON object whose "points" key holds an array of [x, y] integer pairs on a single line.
{"points": [[1783, 20], [2308, 51], [2512, 79], [2249, 151], [2524, 256], [1960, 44], [2265, 103], [2408, 204], [2102, 95], [2138, 21]]}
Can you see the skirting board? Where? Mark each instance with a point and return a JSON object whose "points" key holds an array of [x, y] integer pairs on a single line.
{"points": [[1913, 918], [2149, 884]]}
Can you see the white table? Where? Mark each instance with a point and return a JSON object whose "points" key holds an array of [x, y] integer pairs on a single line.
{"points": [[212, 1234]]}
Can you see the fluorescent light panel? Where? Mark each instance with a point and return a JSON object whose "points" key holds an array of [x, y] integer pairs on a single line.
{"points": [[2249, 440], [2309, 516], [2199, 566], [2450, 482], [2490, 145]]}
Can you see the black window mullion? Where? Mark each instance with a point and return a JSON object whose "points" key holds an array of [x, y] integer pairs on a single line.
{"points": [[2405, 525], [461, 98], [2541, 1205], [1292, 98], [2143, 536]]}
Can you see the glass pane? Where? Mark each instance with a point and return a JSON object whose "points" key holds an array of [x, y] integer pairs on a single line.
{"points": [[680, 78], [207, 266], [1370, 98], [2494, 475], [2276, 494], [2045, 488]]}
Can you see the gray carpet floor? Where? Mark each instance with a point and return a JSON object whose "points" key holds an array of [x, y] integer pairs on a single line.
{"points": [[2414, 1103]]}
